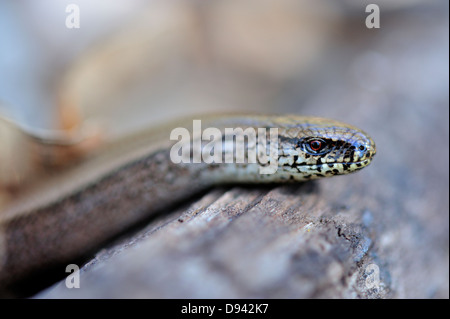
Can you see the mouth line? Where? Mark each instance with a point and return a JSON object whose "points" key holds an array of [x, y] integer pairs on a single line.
{"points": [[366, 161]]}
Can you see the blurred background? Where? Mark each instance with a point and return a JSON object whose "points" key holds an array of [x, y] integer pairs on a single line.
{"points": [[133, 63]]}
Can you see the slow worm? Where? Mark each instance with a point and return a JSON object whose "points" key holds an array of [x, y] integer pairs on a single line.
{"points": [[104, 199]]}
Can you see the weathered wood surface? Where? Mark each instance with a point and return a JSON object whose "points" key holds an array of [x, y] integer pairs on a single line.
{"points": [[282, 242]]}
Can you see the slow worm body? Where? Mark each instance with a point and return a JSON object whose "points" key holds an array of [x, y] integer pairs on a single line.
{"points": [[108, 198]]}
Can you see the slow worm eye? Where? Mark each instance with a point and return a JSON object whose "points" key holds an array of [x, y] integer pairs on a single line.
{"points": [[316, 145]]}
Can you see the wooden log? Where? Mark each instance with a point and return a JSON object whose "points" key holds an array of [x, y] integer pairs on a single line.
{"points": [[295, 241]]}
